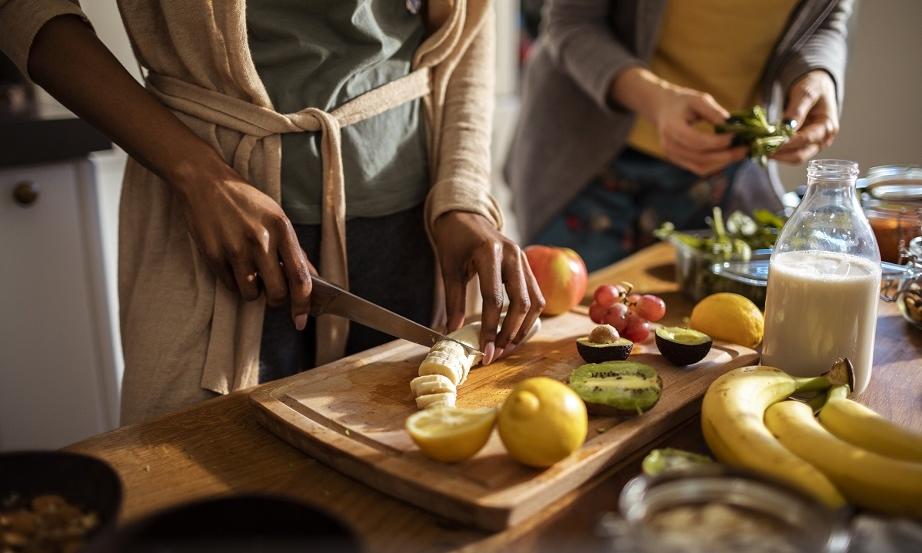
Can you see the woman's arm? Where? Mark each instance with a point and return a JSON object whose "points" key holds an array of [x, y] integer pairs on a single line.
{"points": [[581, 42], [814, 78], [240, 230], [464, 218]]}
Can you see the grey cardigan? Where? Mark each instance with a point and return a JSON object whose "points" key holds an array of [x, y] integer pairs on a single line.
{"points": [[568, 128]]}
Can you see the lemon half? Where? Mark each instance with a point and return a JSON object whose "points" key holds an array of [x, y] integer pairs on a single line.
{"points": [[729, 317], [451, 434]]}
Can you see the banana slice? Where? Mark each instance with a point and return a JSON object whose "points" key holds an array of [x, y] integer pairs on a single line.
{"points": [[446, 399], [432, 384], [446, 358]]}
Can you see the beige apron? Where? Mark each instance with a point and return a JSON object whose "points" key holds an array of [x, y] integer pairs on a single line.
{"points": [[256, 123]]}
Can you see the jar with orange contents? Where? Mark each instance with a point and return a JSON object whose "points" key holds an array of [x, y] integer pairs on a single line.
{"points": [[892, 201]]}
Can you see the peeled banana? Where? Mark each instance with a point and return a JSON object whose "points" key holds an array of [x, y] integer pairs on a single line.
{"points": [[856, 424], [447, 365], [867, 479], [732, 422]]}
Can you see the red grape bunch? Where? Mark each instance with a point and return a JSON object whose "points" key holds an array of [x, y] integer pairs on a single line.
{"points": [[630, 314]]}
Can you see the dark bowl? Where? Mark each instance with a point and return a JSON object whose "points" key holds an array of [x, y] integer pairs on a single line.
{"points": [[86, 482], [261, 523]]}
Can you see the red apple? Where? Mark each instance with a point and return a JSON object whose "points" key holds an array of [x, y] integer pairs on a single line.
{"points": [[561, 275]]}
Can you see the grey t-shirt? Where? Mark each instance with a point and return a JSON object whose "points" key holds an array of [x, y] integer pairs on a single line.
{"points": [[323, 53]]}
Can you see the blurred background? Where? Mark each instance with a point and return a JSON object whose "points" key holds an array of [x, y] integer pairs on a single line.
{"points": [[60, 359]]}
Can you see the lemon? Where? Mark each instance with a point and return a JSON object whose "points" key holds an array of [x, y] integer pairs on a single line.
{"points": [[451, 434], [542, 421], [729, 317]]}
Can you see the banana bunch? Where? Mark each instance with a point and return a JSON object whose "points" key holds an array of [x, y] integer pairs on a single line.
{"points": [[732, 423], [447, 365], [850, 454], [866, 478]]}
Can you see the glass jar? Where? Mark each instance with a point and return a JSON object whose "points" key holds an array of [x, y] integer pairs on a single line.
{"points": [[713, 508], [892, 199], [824, 280], [894, 224], [906, 288]]}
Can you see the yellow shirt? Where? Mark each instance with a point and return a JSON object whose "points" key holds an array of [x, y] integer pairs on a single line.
{"points": [[715, 46]]}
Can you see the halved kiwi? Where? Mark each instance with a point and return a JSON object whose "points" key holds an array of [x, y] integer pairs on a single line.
{"points": [[594, 352], [682, 346], [617, 387]]}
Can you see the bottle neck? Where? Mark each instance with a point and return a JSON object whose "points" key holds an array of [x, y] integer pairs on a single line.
{"points": [[839, 188]]}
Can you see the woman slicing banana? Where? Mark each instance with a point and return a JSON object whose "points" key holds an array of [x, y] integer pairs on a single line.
{"points": [[273, 135]]}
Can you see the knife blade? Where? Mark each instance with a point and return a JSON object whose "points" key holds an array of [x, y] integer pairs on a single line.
{"points": [[329, 299]]}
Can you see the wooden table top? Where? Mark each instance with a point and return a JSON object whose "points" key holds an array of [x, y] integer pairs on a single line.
{"points": [[218, 448]]}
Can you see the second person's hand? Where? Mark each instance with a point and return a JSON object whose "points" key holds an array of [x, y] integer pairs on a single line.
{"points": [[675, 110], [468, 244], [245, 237]]}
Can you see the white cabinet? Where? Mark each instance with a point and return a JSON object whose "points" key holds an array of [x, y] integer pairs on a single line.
{"points": [[58, 377]]}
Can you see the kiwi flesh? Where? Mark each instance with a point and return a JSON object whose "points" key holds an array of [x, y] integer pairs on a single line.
{"points": [[594, 352], [617, 387], [682, 346]]}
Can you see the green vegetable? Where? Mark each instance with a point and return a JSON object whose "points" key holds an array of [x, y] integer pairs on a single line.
{"points": [[751, 128], [731, 240], [664, 460]]}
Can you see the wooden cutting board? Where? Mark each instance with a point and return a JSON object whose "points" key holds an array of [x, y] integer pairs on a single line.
{"points": [[350, 415]]}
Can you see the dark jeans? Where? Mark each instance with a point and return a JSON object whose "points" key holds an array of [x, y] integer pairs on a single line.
{"points": [[617, 212], [390, 263]]}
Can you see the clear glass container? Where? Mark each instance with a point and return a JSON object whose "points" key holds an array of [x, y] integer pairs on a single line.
{"points": [[714, 509], [824, 280]]}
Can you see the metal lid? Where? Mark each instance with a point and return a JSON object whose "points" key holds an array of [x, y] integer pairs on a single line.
{"points": [[893, 183]]}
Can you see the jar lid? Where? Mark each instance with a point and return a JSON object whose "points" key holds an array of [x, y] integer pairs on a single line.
{"points": [[893, 183]]}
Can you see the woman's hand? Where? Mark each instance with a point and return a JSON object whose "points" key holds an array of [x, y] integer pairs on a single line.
{"points": [[245, 237], [812, 103], [468, 244], [674, 111]]}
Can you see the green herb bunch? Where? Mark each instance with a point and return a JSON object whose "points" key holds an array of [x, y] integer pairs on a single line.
{"points": [[733, 239], [751, 128]]}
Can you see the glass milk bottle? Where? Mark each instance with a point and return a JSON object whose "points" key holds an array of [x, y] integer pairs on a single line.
{"points": [[824, 280]]}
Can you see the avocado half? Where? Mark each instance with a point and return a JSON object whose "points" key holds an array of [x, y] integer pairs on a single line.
{"points": [[682, 346], [593, 352], [617, 387]]}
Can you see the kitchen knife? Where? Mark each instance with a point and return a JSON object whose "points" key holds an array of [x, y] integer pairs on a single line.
{"points": [[329, 299]]}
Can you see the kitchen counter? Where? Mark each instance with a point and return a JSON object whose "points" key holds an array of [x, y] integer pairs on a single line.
{"points": [[217, 447], [47, 134]]}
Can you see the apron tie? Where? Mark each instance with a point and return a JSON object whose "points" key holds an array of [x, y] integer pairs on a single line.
{"points": [[257, 122]]}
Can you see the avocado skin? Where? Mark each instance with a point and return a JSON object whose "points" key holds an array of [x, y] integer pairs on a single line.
{"points": [[682, 354], [599, 353]]}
